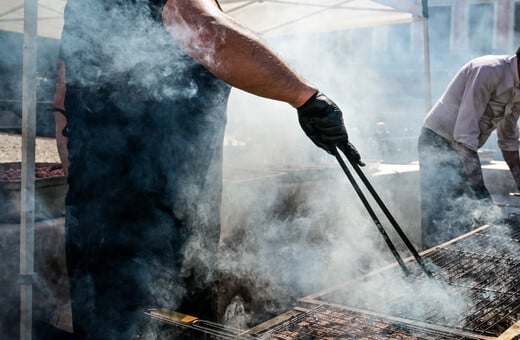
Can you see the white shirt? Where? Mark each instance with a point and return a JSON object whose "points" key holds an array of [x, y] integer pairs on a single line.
{"points": [[483, 96]]}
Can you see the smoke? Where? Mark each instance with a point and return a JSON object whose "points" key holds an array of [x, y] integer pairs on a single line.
{"points": [[291, 223], [391, 293], [325, 236], [287, 240]]}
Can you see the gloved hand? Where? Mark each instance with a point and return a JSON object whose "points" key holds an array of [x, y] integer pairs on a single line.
{"points": [[322, 121]]}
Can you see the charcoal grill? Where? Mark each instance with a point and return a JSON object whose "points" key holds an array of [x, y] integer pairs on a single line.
{"points": [[330, 322], [481, 267]]}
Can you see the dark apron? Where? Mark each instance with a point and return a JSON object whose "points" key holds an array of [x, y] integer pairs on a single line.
{"points": [[138, 180], [142, 220]]}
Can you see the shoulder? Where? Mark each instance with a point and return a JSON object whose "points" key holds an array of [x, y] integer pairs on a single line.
{"points": [[489, 64], [491, 69], [193, 12]]}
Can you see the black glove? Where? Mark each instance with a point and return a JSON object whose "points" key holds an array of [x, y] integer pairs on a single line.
{"points": [[322, 121]]}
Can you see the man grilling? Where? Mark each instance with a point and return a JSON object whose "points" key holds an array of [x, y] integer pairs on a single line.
{"points": [[140, 117], [484, 96]]}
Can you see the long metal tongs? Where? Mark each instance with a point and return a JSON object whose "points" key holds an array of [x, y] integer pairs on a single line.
{"points": [[387, 213]]}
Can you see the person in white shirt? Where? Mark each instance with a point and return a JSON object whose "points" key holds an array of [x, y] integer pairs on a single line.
{"points": [[484, 96]]}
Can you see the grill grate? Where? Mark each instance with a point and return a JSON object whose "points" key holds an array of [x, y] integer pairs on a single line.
{"points": [[327, 322], [481, 268]]}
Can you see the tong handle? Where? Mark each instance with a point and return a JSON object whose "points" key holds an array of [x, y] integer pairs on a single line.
{"points": [[387, 213], [391, 218], [371, 213]]}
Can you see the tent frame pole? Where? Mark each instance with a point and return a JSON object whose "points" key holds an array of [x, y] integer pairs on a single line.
{"points": [[426, 47], [27, 205]]}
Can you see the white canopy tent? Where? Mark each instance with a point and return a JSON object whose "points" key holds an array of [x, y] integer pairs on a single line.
{"points": [[265, 17], [49, 14], [44, 18], [285, 17]]}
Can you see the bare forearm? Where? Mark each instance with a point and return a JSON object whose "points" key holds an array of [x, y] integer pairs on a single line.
{"points": [[232, 53], [512, 159], [471, 164]]}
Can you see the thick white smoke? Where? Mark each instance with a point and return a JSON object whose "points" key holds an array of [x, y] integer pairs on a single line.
{"points": [[373, 83], [284, 239]]}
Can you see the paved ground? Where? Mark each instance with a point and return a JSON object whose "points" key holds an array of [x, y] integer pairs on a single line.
{"points": [[11, 149]]}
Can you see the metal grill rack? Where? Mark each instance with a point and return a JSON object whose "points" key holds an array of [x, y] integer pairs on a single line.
{"points": [[481, 267], [327, 322]]}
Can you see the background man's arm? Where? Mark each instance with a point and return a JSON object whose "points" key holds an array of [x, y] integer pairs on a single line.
{"points": [[473, 170], [512, 159]]}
